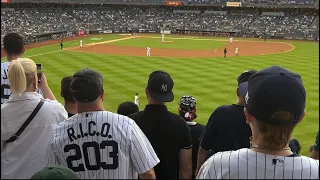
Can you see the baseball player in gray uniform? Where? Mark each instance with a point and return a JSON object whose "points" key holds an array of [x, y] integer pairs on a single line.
{"points": [[98, 144]]}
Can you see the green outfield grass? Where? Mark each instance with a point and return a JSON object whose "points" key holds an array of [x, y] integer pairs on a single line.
{"points": [[212, 81]]}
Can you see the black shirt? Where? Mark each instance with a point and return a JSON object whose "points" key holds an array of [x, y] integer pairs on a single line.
{"points": [[226, 130], [168, 133], [196, 131]]}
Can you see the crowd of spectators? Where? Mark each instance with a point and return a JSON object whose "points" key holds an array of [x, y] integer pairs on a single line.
{"points": [[42, 139], [283, 2], [35, 21]]}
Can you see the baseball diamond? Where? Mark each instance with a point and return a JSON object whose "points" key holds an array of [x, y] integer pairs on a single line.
{"points": [[202, 45]]}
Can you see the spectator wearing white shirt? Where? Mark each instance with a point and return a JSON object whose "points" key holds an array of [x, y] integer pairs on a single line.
{"points": [[23, 155]]}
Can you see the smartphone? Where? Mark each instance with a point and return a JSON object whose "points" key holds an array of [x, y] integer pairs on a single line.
{"points": [[39, 71]]}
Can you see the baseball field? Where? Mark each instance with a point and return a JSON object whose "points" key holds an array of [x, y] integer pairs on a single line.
{"points": [[196, 65]]}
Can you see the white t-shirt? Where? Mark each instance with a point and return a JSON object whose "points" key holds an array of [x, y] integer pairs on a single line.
{"points": [[25, 156], [80, 41], [248, 164], [148, 48], [101, 145], [136, 99], [236, 51]]}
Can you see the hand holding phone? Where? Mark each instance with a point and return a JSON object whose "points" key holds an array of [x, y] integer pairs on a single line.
{"points": [[39, 72]]}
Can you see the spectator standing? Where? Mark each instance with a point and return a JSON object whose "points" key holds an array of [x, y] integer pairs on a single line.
{"points": [[295, 146], [226, 128], [97, 144], [127, 108], [315, 150], [13, 48], [23, 155], [168, 133], [187, 110], [275, 104], [69, 103]]}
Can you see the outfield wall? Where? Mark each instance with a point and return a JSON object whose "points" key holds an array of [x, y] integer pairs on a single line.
{"points": [[56, 36]]}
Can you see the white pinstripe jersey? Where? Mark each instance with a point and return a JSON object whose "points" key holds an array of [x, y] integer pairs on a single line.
{"points": [[248, 164], [5, 85], [5, 88], [101, 145]]}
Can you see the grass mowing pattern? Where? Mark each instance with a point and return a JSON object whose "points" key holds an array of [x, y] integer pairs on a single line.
{"points": [[212, 81]]}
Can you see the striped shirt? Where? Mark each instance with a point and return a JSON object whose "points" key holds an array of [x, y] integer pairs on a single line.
{"points": [[248, 164], [5, 87], [101, 145]]}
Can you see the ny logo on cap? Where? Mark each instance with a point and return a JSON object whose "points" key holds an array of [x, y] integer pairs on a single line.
{"points": [[164, 87], [247, 97]]}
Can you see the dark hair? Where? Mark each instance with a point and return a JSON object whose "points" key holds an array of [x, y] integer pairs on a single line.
{"points": [[127, 108], [65, 89], [13, 43], [311, 148], [296, 145]]}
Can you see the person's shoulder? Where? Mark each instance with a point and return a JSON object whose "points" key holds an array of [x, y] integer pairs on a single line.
{"points": [[136, 116], [223, 156], [4, 64], [53, 105], [199, 126], [309, 159], [228, 108], [176, 117]]}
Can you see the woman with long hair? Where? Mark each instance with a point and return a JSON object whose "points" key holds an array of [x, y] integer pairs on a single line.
{"points": [[23, 144]]}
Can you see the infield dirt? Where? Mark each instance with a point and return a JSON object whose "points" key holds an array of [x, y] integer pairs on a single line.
{"points": [[246, 48]]}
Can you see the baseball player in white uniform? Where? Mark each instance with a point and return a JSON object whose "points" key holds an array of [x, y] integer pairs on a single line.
{"points": [[162, 37], [269, 156], [98, 144], [236, 51], [81, 43], [148, 51], [230, 40], [136, 99]]}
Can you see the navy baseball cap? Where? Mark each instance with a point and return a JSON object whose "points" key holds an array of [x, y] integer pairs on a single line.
{"points": [[86, 85], [275, 89], [160, 85], [243, 81]]}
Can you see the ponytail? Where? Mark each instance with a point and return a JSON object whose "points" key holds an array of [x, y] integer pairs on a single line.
{"points": [[17, 78]]}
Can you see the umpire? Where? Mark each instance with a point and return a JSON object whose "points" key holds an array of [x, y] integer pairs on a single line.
{"points": [[168, 133]]}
